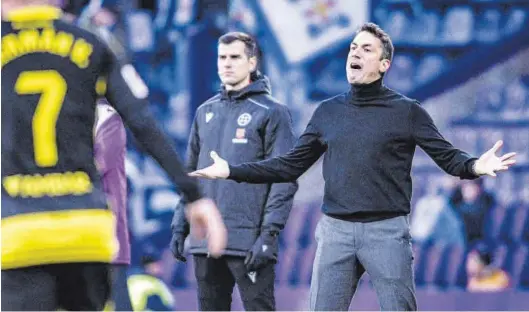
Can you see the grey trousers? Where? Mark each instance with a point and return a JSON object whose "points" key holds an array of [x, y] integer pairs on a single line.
{"points": [[346, 250]]}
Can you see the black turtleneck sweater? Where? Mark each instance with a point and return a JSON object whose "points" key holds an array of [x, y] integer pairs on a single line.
{"points": [[369, 136]]}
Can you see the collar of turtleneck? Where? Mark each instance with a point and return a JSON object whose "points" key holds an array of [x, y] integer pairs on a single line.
{"points": [[366, 91]]}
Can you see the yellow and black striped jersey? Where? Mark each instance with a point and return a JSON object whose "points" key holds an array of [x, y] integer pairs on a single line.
{"points": [[53, 206]]}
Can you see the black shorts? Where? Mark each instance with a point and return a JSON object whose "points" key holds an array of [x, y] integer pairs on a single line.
{"points": [[67, 286]]}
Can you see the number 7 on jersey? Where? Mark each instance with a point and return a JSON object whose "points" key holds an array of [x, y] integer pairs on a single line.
{"points": [[52, 87]]}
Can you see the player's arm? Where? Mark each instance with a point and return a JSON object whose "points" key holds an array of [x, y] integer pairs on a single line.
{"points": [[128, 94], [179, 225], [286, 168]]}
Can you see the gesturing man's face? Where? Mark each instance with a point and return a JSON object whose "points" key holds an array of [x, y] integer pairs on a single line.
{"points": [[365, 63]]}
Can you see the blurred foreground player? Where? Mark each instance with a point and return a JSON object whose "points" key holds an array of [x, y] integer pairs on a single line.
{"points": [[58, 236], [110, 152]]}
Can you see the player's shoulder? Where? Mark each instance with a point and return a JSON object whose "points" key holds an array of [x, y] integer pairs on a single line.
{"points": [[108, 39], [98, 46], [78, 32]]}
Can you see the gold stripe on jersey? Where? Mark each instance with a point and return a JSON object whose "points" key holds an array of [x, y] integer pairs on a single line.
{"points": [[34, 17], [83, 235], [34, 13]]}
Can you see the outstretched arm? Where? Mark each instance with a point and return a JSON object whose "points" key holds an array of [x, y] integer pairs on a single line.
{"points": [[285, 168], [450, 159]]}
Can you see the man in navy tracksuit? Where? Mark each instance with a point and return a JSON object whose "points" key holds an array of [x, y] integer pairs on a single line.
{"points": [[246, 124]]}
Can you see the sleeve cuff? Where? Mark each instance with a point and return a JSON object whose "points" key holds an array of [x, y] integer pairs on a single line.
{"points": [[235, 173], [193, 194], [470, 174]]}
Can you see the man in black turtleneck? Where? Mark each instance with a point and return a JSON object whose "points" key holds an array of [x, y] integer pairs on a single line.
{"points": [[368, 136]]}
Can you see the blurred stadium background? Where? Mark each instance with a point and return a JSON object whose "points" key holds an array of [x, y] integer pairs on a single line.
{"points": [[467, 61]]}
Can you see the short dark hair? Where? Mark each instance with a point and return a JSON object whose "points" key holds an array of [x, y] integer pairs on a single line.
{"points": [[249, 42], [375, 30]]}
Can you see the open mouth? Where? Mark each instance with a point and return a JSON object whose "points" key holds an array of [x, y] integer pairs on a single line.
{"points": [[355, 66]]}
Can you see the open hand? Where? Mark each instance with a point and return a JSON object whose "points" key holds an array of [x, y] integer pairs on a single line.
{"points": [[219, 170], [489, 163]]}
